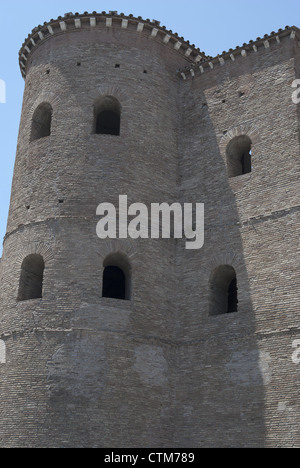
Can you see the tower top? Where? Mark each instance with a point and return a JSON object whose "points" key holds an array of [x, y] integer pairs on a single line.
{"points": [[71, 22], [208, 63]]}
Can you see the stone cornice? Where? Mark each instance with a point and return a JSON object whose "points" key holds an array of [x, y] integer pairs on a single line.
{"points": [[209, 63], [87, 21]]}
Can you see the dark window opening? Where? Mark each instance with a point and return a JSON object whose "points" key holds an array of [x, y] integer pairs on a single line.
{"points": [[116, 277], [41, 122], [114, 283], [238, 154], [108, 123], [107, 116], [31, 279], [246, 162], [232, 297], [223, 291]]}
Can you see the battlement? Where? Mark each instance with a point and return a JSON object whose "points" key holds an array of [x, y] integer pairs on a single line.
{"points": [[74, 22], [209, 63]]}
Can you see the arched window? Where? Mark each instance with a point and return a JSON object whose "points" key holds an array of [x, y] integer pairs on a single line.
{"points": [[238, 155], [107, 116], [223, 291], [116, 277], [31, 280], [41, 122]]}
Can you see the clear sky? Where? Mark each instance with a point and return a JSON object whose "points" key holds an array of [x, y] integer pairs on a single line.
{"points": [[212, 25]]}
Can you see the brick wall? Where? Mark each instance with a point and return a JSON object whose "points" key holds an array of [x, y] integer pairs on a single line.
{"points": [[158, 370]]}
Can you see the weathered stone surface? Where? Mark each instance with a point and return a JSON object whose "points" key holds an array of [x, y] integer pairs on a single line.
{"points": [[79, 370]]}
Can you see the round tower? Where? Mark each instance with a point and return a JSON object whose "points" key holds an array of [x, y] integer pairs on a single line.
{"points": [[87, 324]]}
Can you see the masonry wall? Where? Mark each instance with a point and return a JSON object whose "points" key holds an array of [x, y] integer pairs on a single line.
{"points": [[240, 388], [83, 370], [159, 370]]}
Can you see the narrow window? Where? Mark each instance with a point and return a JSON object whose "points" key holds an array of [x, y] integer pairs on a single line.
{"points": [[107, 116], [31, 279], [232, 301], [223, 291], [238, 154], [114, 283], [246, 162], [41, 122], [116, 277]]}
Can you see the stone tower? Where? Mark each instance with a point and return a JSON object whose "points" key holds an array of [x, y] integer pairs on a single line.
{"points": [[195, 348]]}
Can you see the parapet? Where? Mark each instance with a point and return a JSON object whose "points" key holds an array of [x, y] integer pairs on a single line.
{"points": [[209, 63], [71, 22]]}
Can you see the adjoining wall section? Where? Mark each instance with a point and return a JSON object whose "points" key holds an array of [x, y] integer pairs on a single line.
{"points": [[237, 384]]}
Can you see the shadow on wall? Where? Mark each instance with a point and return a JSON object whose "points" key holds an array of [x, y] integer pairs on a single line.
{"points": [[221, 371]]}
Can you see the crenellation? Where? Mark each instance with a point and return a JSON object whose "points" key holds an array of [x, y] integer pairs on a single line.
{"points": [[80, 21], [50, 29], [166, 39], [140, 27], [244, 52], [93, 22], [63, 25], [124, 23], [77, 22]]}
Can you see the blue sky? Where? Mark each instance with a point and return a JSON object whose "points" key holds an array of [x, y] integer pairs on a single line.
{"points": [[212, 25]]}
